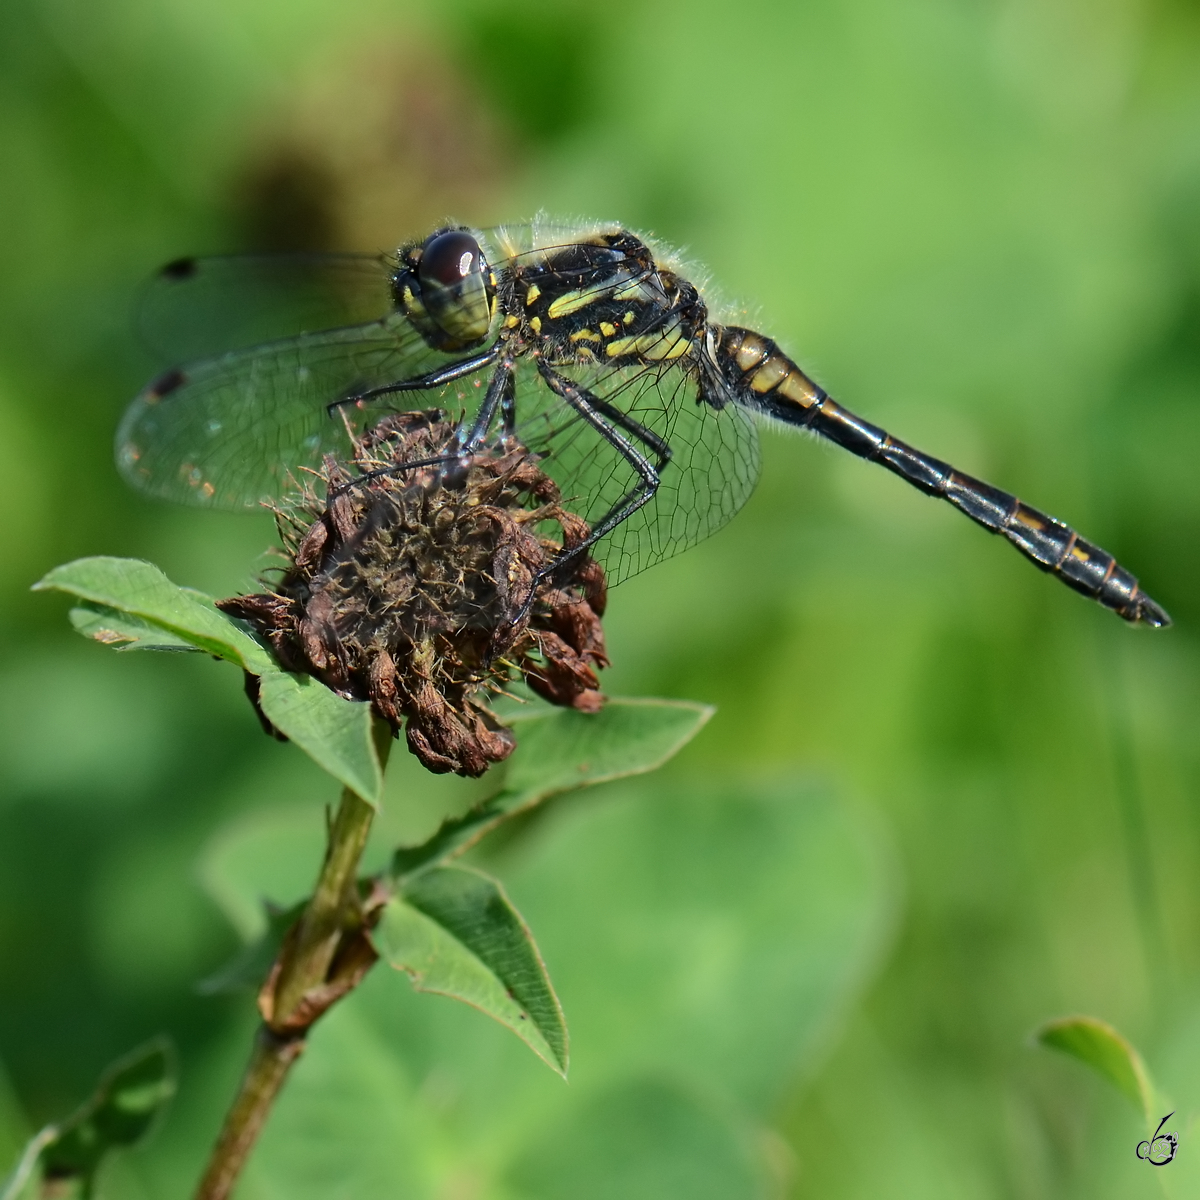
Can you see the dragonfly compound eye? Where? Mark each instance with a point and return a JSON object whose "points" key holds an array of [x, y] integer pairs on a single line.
{"points": [[457, 287]]}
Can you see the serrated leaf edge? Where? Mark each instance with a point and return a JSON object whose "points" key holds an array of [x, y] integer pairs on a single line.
{"points": [[414, 977]]}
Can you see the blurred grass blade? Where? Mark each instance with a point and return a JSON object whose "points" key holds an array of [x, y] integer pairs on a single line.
{"points": [[62, 1160], [111, 627], [455, 932], [140, 589], [334, 732], [1101, 1047], [561, 750]]}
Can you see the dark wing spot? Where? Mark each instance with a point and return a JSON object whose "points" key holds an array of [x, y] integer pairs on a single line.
{"points": [[165, 384], [181, 268]]}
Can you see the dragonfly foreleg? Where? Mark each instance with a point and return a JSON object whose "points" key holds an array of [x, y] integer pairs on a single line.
{"points": [[423, 383], [500, 397], [394, 469]]}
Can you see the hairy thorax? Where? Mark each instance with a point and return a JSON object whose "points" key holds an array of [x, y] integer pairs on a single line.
{"points": [[603, 301]]}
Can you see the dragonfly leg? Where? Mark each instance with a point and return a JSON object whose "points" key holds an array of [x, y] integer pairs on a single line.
{"points": [[394, 469], [499, 397], [423, 383], [612, 425], [622, 420]]}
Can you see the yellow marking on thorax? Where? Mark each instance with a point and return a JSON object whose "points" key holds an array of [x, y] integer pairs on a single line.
{"points": [[583, 335], [657, 346], [635, 290], [532, 295], [536, 324], [607, 328], [629, 318], [675, 349], [511, 321], [570, 302]]}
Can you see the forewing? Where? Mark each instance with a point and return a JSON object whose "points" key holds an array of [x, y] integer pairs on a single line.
{"points": [[714, 461], [243, 428], [197, 307]]}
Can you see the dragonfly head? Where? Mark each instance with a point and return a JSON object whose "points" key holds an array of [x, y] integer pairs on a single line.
{"points": [[448, 290]]}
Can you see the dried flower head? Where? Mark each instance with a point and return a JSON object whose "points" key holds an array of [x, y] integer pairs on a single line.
{"points": [[420, 590]]}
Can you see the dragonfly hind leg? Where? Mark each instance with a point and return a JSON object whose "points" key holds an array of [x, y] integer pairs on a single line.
{"points": [[612, 425]]}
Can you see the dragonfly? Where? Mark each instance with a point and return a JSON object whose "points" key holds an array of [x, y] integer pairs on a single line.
{"points": [[584, 342]]}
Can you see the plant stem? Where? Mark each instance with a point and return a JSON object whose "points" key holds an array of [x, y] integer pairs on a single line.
{"points": [[269, 1064], [305, 964], [302, 968]]}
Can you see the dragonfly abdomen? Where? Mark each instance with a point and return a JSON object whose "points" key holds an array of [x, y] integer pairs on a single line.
{"points": [[762, 377]]}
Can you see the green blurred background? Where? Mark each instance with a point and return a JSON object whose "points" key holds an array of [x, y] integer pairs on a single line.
{"points": [[943, 799]]}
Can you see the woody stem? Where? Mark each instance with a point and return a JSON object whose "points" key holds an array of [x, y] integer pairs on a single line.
{"points": [[303, 966]]}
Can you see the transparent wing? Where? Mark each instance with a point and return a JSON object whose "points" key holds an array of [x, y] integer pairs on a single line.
{"points": [[197, 307], [713, 468], [233, 431]]}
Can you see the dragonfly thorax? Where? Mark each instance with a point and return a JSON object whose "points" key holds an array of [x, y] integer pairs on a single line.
{"points": [[604, 300]]}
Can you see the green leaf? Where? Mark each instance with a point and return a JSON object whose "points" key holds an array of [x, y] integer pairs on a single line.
{"points": [[718, 933], [561, 750], [130, 1095], [455, 932], [1101, 1047], [111, 627], [453, 836], [132, 604], [334, 732], [737, 928], [129, 585]]}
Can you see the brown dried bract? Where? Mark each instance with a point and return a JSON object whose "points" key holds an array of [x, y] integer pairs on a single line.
{"points": [[412, 590]]}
